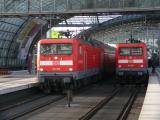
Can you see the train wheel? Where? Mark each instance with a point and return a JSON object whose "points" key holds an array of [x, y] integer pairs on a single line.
{"points": [[117, 80], [82, 83], [76, 85], [146, 80], [122, 81], [47, 90]]}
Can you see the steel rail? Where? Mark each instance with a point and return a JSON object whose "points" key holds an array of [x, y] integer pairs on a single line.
{"points": [[128, 106], [33, 108], [95, 109], [21, 103]]}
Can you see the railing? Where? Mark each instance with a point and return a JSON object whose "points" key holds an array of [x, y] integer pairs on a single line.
{"points": [[13, 64], [75, 6], [4, 72]]}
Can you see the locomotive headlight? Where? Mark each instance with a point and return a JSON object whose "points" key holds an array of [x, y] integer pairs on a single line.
{"points": [[41, 69], [141, 65], [55, 57], [70, 69], [119, 66]]}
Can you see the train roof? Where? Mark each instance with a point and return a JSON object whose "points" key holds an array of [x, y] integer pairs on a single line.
{"points": [[58, 40], [131, 44], [70, 40]]}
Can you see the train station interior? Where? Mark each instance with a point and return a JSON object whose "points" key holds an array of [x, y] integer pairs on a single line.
{"points": [[28, 89]]}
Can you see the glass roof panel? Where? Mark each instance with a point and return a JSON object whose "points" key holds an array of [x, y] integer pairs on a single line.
{"points": [[48, 5], [1, 44], [35, 5], [14, 21], [88, 20], [6, 44]]}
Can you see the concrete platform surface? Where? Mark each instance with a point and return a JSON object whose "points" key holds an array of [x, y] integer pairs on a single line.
{"points": [[12, 84], [17, 74], [151, 106]]}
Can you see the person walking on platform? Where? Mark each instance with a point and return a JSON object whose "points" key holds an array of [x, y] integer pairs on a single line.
{"points": [[153, 63]]}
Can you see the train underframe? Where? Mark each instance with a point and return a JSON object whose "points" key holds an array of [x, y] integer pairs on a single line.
{"points": [[61, 82], [137, 76]]}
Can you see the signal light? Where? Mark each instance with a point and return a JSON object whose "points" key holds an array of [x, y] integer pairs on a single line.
{"points": [[119, 66]]}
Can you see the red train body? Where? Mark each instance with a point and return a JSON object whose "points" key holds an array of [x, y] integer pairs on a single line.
{"points": [[67, 60], [131, 62]]}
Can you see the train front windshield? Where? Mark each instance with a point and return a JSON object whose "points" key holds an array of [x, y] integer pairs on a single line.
{"points": [[131, 51], [56, 49]]}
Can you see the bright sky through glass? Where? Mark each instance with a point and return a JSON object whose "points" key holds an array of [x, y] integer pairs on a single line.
{"points": [[85, 21]]}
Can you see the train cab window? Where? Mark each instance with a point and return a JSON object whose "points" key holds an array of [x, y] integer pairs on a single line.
{"points": [[124, 51], [64, 49], [137, 51], [46, 49], [56, 49]]}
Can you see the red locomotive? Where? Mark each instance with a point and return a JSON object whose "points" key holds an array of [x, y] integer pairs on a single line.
{"points": [[131, 63], [60, 61]]}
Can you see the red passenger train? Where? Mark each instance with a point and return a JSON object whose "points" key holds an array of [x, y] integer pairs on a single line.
{"points": [[60, 61], [131, 63]]}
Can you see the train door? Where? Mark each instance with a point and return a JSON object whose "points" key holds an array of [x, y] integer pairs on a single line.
{"points": [[85, 61]]}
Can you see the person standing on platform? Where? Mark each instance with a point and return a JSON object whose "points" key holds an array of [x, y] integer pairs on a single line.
{"points": [[153, 62], [29, 63]]}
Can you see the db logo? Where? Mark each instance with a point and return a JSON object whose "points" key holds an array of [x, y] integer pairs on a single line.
{"points": [[130, 61]]}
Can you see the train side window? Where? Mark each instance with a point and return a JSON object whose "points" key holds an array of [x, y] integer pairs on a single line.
{"points": [[124, 51], [137, 51]]}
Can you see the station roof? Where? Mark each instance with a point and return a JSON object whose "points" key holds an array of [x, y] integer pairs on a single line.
{"points": [[9, 29], [122, 28]]}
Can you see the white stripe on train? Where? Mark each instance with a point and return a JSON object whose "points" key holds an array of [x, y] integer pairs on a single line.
{"points": [[46, 62], [130, 61], [66, 62], [138, 61], [62, 62], [122, 61]]}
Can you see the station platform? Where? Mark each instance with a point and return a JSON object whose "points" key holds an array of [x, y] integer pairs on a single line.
{"points": [[17, 80], [151, 105]]}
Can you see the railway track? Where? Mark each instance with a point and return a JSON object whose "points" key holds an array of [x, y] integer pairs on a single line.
{"points": [[5, 108], [30, 104], [27, 106], [93, 111], [83, 100], [126, 107], [89, 104]]}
